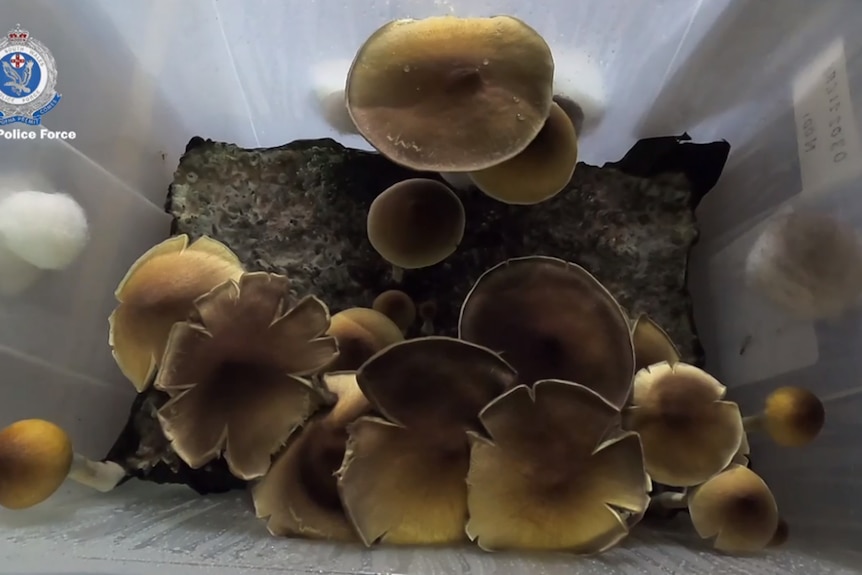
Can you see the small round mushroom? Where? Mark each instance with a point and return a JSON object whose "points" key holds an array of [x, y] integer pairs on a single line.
{"points": [[36, 457], [158, 291], [782, 534], [573, 110], [427, 312], [416, 223], [652, 344], [688, 432], [360, 333], [552, 319], [538, 173], [449, 94], [397, 306], [735, 507], [793, 417]]}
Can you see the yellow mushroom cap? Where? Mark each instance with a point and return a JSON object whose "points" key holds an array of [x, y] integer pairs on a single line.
{"points": [[416, 223], [397, 306], [737, 508], [448, 94], [538, 173], [360, 333], [35, 458], [793, 416], [652, 344]]}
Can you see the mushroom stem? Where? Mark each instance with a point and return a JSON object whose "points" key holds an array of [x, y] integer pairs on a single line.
{"points": [[397, 274], [670, 500], [754, 422], [100, 475]]}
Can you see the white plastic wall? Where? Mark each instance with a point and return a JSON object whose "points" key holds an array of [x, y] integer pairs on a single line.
{"points": [[139, 78]]}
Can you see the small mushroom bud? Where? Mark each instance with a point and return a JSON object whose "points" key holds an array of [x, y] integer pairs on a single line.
{"points": [[397, 306], [793, 417]]}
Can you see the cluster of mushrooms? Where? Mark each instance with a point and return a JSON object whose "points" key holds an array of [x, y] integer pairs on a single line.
{"points": [[555, 420]]}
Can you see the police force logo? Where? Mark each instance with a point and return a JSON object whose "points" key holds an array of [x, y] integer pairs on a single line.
{"points": [[28, 79]]}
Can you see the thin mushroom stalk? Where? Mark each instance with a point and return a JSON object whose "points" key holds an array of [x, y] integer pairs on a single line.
{"points": [[397, 274], [669, 500], [99, 475]]}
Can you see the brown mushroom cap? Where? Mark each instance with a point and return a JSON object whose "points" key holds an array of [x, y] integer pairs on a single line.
{"points": [[35, 458], [552, 319], [157, 291], [360, 332], [688, 433], [652, 344], [782, 534], [556, 472], [416, 223], [538, 173], [737, 508], [448, 94], [397, 306], [793, 416], [572, 109]]}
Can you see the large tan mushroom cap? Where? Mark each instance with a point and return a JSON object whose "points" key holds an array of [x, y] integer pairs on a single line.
{"points": [[448, 94], [416, 223], [737, 508], [397, 306], [652, 344], [35, 458], [157, 291], [689, 434], [556, 472], [360, 332], [234, 373], [538, 173], [402, 481], [552, 319]]}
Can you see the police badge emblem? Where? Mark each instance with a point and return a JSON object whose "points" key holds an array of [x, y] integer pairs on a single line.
{"points": [[28, 79]]}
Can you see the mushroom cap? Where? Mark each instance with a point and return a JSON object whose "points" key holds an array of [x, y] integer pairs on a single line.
{"points": [[449, 94], [416, 223], [793, 416], [737, 508], [552, 319], [572, 109], [555, 473], [350, 402], [360, 332], [652, 344], [538, 173], [157, 291], [35, 458], [782, 534], [397, 306], [688, 433]]}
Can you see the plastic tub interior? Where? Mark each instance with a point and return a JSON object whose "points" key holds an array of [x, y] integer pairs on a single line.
{"points": [[139, 78]]}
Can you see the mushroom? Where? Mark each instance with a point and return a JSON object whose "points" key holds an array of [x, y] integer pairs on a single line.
{"points": [[688, 432], [299, 495], [781, 535], [449, 94], [793, 417], [552, 319], [397, 306], [572, 109], [652, 344], [427, 312], [233, 373], [402, 480], [735, 507], [539, 172], [37, 456], [157, 291], [360, 333], [415, 223], [555, 472]]}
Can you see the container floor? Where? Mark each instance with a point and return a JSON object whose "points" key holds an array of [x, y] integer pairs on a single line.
{"points": [[145, 529]]}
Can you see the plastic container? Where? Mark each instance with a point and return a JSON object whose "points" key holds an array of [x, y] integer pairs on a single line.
{"points": [[138, 79]]}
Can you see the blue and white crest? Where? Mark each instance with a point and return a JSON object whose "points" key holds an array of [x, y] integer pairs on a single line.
{"points": [[27, 79]]}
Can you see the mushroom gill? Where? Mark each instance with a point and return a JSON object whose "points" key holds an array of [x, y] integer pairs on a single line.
{"points": [[555, 472], [793, 417], [234, 370], [360, 333], [652, 344], [689, 432], [450, 94], [540, 171], [402, 481], [157, 291], [299, 495], [551, 319]]}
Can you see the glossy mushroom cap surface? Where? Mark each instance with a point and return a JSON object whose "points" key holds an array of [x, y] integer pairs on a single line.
{"points": [[416, 223], [449, 94], [737, 508], [652, 344], [552, 319], [35, 458], [538, 173], [793, 416], [360, 333]]}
